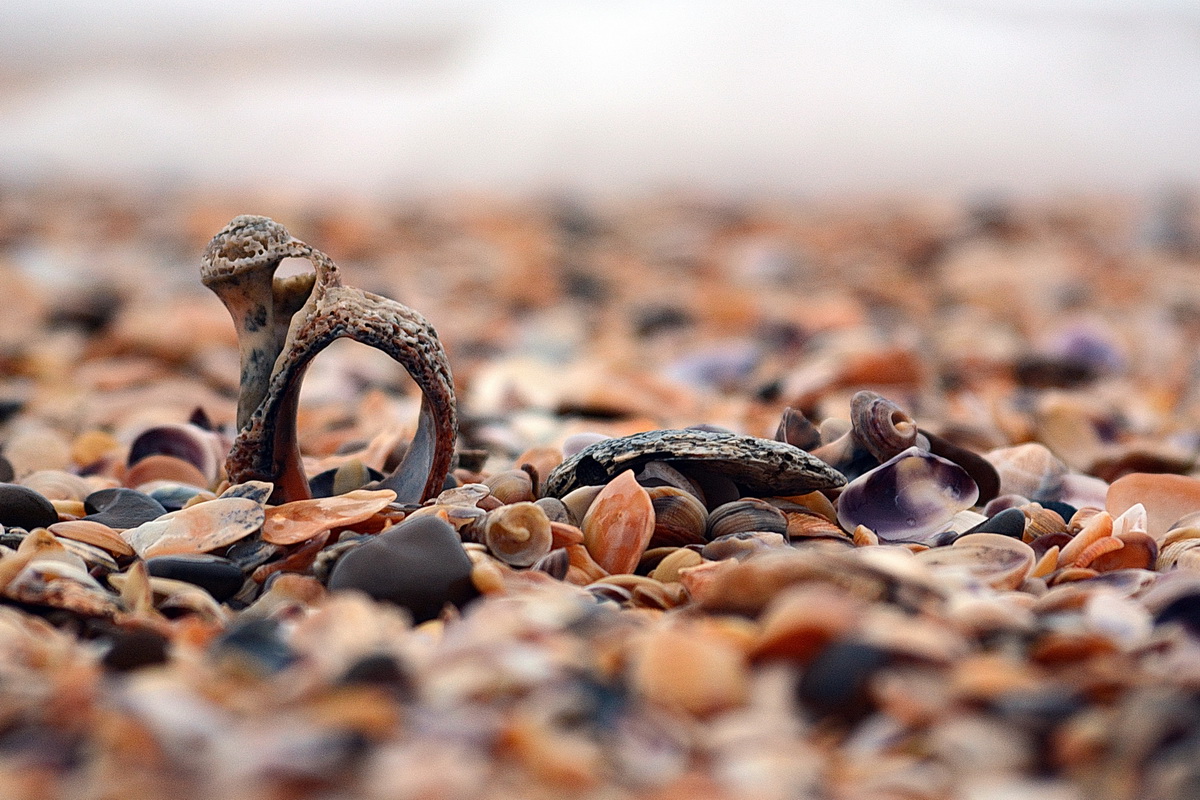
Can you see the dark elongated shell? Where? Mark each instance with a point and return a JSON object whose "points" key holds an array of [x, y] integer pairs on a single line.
{"points": [[907, 498], [797, 430], [882, 427], [757, 466], [979, 468]]}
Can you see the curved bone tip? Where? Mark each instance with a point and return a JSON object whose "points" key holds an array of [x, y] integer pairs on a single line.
{"points": [[247, 242]]}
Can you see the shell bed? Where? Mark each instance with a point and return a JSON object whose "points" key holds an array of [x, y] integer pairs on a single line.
{"points": [[880, 501]]}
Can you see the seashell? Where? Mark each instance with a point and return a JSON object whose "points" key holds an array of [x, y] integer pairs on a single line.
{"points": [[350, 475], [197, 529], [542, 459], [758, 466], [1182, 554], [191, 443], [299, 521], [97, 560], [258, 491], [801, 620], [1030, 470], [881, 426], [679, 518], [62, 584], [805, 524], [563, 534], [22, 507], [1166, 498], [518, 533], [979, 468], [743, 544], [607, 592], [1041, 521], [555, 564], [583, 568], [1083, 491], [660, 473], [37, 448], [686, 667], [554, 509], [511, 486], [797, 430], [1010, 522], [159, 467], [618, 524], [747, 514], [907, 498], [466, 495], [1000, 561], [1098, 527], [578, 501], [91, 446], [55, 484], [680, 558], [93, 533], [847, 455], [1140, 551], [574, 443]]}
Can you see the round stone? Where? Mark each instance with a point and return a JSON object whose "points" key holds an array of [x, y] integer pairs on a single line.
{"points": [[218, 576], [419, 564], [122, 508], [22, 507]]}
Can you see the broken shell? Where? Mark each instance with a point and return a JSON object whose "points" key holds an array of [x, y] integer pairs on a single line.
{"points": [[805, 524], [1182, 554], [511, 486], [299, 521], [882, 427], [1166, 498], [756, 465], [1030, 470], [907, 498], [797, 430], [745, 515], [518, 534], [1000, 561], [93, 533], [1098, 527], [1041, 521], [200, 448], [618, 525], [679, 518], [197, 529], [62, 584]]}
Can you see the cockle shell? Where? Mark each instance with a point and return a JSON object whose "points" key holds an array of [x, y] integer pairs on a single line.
{"points": [[679, 518], [1000, 561], [907, 498], [618, 524], [301, 520]]}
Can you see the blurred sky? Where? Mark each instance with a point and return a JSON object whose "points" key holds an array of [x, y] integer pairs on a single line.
{"points": [[606, 95]]}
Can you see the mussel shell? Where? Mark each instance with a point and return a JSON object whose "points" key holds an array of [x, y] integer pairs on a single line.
{"points": [[907, 498]]}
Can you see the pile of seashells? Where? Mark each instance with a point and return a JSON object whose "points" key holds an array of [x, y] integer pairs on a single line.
{"points": [[858, 602]]}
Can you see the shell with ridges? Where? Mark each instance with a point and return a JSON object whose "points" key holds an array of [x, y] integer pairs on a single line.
{"points": [[743, 516], [518, 534], [679, 518]]}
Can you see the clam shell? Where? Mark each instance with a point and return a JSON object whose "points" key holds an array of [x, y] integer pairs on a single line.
{"points": [[518, 533], [679, 518], [1000, 561], [160, 467], [907, 498], [301, 520], [511, 486], [747, 514], [618, 525], [93, 533]]}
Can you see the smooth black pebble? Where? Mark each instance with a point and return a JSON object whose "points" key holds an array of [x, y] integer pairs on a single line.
{"points": [[122, 508], [836, 683], [1009, 522], [218, 576], [419, 564], [22, 507], [134, 649]]}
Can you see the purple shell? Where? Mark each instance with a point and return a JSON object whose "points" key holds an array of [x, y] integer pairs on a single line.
{"points": [[908, 498]]}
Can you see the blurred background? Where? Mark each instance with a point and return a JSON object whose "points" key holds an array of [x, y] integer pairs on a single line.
{"points": [[421, 96]]}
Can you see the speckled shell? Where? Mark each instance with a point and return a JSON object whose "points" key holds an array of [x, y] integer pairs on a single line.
{"points": [[907, 498]]}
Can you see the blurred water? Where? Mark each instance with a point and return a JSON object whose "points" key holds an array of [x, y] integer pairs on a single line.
{"points": [[846, 95]]}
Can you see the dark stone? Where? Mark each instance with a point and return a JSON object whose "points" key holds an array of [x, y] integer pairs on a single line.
{"points": [[381, 670], [836, 683], [6, 470], [122, 508], [180, 441], [218, 576], [419, 564], [1049, 372], [1009, 522], [1184, 610], [134, 649], [22, 507], [175, 496], [1064, 510], [252, 552], [256, 642]]}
